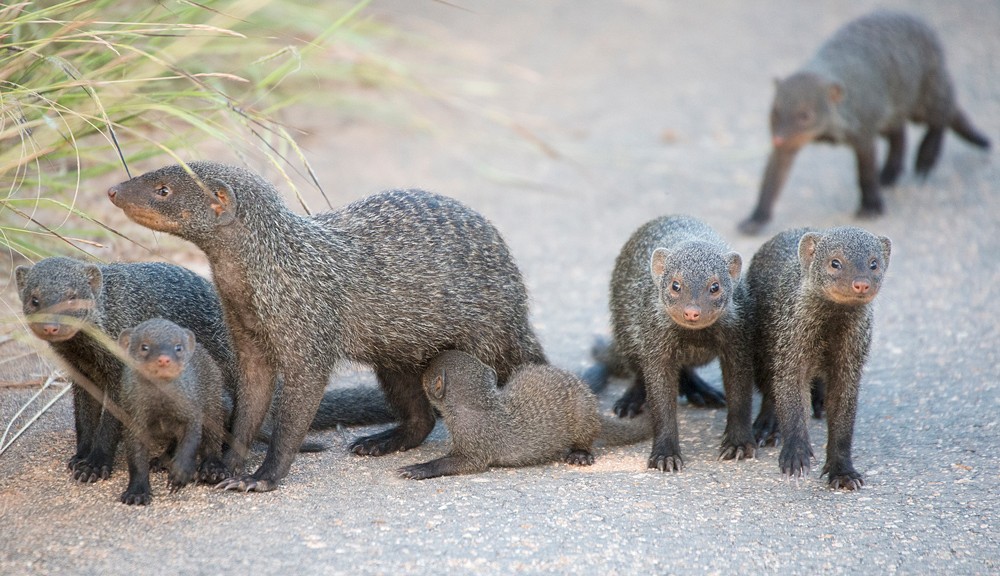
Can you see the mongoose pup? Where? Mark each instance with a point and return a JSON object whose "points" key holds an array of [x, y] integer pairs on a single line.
{"points": [[541, 414], [388, 281], [172, 391], [811, 295], [80, 309], [676, 303], [868, 79]]}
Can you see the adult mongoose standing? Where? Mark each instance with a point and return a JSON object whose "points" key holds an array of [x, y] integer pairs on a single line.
{"points": [[80, 309], [172, 392], [388, 281], [810, 295], [868, 79], [541, 414], [676, 303]]}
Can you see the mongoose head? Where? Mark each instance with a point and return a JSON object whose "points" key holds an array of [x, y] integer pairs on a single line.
{"points": [[803, 106], [845, 264], [197, 202], [453, 368], [158, 349], [695, 282], [58, 296]]}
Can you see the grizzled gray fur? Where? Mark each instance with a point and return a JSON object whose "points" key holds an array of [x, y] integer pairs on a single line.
{"points": [[70, 304], [541, 414], [172, 391], [676, 303], [811, 295], [868, 79], [390, 281]]}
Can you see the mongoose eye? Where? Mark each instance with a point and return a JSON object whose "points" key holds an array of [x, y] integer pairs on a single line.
{"points": [[144, 347], [835, 264], [178, 348], [714, 288], [874, 265], [675, 286], [163, 190], [35, 302]]}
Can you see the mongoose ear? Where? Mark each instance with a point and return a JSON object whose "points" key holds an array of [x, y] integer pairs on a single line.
{"points": [[94, 277], [491, 375], [735, 263], [807, 248], [21, 276], [658, 263], [437, 386], [886, 248], [223, 202], [125, 338], [835, 92]]}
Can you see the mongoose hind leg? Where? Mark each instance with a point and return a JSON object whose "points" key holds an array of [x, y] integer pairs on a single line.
{"points": [[765, 426], [631, 402], [406, 396], [929, 151], [779, 164], [699, 392], [580, 457]]}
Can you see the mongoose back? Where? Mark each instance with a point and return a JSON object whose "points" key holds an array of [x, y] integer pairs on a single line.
{"points": [[388, 281], [172, 390], [81, 308], [541, 414], [811, 295], [676, 304], [868, 79]]}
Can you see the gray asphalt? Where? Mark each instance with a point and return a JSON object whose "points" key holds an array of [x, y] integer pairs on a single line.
{"points": [[569, 124]]}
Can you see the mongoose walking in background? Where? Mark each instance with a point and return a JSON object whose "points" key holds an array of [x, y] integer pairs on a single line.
{"points": [[676, 299], [811, 295], [868, 79], [172, 391], [80, 309], [388, 281], [541, 414]]}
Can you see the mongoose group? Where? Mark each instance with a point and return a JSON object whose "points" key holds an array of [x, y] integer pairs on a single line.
{"points": [[425, 291]]}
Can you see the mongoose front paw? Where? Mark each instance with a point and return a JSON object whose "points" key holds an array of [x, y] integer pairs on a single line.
{"points": [[580, 458], [795, 458], [666, 463], [91, 470], [737, 450], [417, 471], [844, 477], [246, 484], [379, 444], [137, 497], [213, 472]]}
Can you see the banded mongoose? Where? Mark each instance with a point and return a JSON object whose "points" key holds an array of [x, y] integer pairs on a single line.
{"points": [[542, 414], [81, 308], [388, 281], [172, 391], [868, 79], [676, 303], [811, 295]]}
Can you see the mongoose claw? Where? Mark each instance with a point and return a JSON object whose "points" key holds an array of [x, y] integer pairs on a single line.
{"points": [[580, 458], [846, 478], [139, 498], [672, 463], [795, 459], [417, 472], [385, 442], [87, 472], [213, 472], [246, 484], [737, 451]]}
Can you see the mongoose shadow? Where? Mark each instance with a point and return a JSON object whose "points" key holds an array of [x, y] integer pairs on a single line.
{"points": [[811, 311], [676, 301], [173, 392], [81, 308], [388, 281], [867, 80], [542, 414]]}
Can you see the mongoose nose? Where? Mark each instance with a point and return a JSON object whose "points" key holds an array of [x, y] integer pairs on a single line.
{"points": [[778, 141], [50, 329], [692, 314], [861, 286], [163, 361], [112, 192]]}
